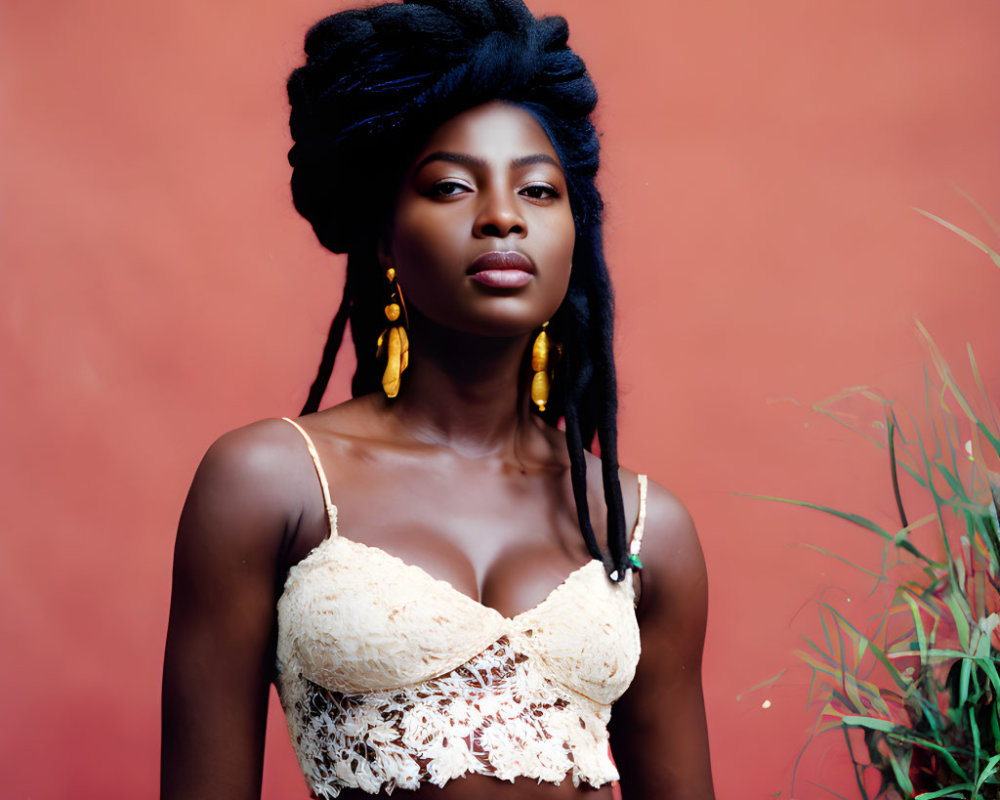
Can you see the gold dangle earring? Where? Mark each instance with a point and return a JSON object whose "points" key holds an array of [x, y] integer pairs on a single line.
{"points": [[540, 358], [393, 341]]}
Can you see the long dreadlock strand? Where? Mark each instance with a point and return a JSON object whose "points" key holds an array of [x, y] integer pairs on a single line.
{"points": [[578, 477], [607, 428], [330, 350]]}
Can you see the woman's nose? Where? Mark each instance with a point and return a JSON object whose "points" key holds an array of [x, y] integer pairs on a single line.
{"points": [[499, 216]]}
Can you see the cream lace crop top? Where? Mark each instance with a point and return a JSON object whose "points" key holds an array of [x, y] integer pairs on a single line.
{"points": [[391, 678]]}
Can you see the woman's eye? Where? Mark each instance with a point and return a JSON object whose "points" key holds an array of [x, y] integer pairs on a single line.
{"points": [[540, 191], [448, 189]]}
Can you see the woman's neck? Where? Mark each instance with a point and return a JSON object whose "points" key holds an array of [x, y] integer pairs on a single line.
{"points": [[463, 391]]}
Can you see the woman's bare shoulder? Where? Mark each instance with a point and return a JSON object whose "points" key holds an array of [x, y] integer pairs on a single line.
{"points": [[267, 457], [673, 562], [669, 525], [250, 485]]}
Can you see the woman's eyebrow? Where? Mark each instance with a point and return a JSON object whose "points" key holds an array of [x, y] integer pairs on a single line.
{"points": [[535, 158], [474, 162]]}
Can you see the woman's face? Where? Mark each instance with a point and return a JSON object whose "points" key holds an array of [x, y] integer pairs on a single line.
{"points": [[482, 235]]}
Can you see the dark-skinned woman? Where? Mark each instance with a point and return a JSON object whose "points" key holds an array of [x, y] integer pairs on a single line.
{"points": [[450, 592]]}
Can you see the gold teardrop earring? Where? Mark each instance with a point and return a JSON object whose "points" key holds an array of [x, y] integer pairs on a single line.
{"points": [[541, 352], [393, 342]]}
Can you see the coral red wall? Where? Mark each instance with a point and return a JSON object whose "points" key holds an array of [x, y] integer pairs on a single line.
{"points": [[761, 164]]}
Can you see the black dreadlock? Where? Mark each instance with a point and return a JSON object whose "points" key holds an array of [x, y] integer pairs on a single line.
{"points": [[382, 79]]}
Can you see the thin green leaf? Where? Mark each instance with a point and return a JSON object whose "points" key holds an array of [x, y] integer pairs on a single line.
{"points": [[902, 778], [984, 526], [982, 211], [761, 685], [831, 554], [873, 723], [978, 378], [988, 771], [993, 440], [903, 736], [953, 482], [976, 750], [944, 372], [876, 650], [982, 650], [960, 618], [987, 666], [826, 631], [918, 626], [948, 791], [965, 672], [890, 423], [938, 502], [856, 519], [863, 391], [825, 654], [851, 688], [854, 762], [977, 243], [853, 518], [834, 671], [917, 477]]}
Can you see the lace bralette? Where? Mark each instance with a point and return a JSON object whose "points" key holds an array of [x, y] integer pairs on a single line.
{"points": [[391, 678]]}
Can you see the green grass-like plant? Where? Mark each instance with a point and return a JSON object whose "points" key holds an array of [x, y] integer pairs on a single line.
{"points": [[914, 690]]}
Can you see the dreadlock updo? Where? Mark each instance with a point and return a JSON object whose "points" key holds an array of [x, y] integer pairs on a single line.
{"points": [[376, 83]]}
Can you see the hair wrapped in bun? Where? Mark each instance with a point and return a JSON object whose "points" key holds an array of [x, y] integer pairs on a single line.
{"points": [[380, 80]]}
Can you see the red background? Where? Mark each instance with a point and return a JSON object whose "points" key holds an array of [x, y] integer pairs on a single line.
{"points": [[761, 162]]}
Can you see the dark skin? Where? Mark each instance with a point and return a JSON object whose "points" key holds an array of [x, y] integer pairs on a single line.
{"points": [[460, 438]]}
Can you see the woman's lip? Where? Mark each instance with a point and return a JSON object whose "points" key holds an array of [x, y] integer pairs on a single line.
{"points": [[506, 278], [497, 261]]}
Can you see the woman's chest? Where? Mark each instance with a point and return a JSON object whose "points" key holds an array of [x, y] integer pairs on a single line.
{"points": [[358, 619], [500, 543]]}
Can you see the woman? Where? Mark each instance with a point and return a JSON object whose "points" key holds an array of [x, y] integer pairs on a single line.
{"points": [[439, 614]]}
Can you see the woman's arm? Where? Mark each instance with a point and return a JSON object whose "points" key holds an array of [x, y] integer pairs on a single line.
{"points": [[658, 730], [220, 641]]}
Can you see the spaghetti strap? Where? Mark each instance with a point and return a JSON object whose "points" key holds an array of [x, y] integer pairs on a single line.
{"points": [[331, 509], [640, 522]]}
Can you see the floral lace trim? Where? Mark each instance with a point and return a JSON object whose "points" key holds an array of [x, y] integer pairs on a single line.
{"points": [[494, 715]]}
